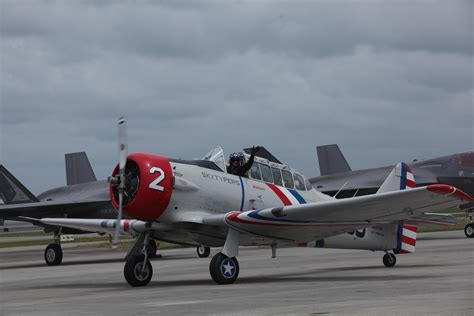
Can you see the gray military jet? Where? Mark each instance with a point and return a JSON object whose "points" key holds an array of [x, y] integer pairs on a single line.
{"points": [[338, 179], [82, 197]]}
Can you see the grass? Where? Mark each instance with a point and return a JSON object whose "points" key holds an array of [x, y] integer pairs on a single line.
{"points": [[97, 242], [24, 234]]}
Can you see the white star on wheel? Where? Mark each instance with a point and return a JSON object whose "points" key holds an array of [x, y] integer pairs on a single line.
{"points": [[228, 268]]}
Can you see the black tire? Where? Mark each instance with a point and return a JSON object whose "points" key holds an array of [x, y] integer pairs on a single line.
{"points": [[469, 230], [389, 260], [53, 255], [132, 271], [224, 270], [152, 248], [203, 252]]}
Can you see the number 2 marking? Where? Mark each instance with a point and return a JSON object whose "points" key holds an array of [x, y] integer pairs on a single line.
{"points": [[154, 185]]}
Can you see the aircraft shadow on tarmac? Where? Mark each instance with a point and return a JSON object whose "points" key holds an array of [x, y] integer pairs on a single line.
{"points": [[313, 275], [281, 278]]}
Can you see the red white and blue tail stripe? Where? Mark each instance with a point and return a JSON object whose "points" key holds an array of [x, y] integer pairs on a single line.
{"points": [[406, 239], [407, 179]]}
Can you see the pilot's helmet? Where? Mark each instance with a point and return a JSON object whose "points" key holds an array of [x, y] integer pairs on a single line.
{"points": [[237, 157]]}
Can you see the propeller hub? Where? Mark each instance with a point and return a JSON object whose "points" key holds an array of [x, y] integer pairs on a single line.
{"points": [[146, 185]]}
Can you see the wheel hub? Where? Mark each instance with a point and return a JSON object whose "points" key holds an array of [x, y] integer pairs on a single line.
{"points": [[141, 273], [469, 230], [50, 255], [228, 268]]}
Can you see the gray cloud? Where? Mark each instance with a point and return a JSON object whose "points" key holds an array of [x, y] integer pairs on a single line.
{"points": [[387, 81]]}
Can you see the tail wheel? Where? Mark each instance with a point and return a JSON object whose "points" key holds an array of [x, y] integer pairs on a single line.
{"points": [[53, 255], [224, 270], [389, 260], [469, 230], [203, 252], [138, 272]]}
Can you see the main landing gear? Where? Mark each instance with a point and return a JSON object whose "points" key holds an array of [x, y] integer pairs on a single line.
{"points": [[224, 270], [203, 252], [389, 260], [138, 270], [152, 248], [53, 254]]}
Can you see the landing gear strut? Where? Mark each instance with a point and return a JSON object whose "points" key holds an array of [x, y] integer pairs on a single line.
{"points": [[224, 270], [389, 260], [53, 254], [152, 248], [138, 270], [203, 252]]}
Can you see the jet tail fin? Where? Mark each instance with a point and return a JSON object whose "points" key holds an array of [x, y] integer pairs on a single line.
{"points": [[331, 160], [12, 191], [78, 169], [400, 178]]}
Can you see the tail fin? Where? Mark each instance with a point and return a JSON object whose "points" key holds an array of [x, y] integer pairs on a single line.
{"points": [[331, 160], [78, 169], [400, 178], [12, 191], [406, 239]]}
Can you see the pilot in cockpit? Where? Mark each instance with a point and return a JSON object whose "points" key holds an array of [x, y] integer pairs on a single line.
{"points": [[236, 163]]}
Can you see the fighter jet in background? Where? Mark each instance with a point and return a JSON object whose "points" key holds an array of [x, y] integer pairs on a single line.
{"points": [[338, 179]]}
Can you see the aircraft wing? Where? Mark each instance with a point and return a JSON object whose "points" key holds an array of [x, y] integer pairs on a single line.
{"points": [[322, 219], [49, 208], [432, 219], [307, 221]]}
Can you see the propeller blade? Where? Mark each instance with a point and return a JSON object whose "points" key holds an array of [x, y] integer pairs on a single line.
{"points": [[122, 139], [119, 218]]}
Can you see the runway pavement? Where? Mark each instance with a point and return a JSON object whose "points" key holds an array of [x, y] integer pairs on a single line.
{"points": [[437, 279]]}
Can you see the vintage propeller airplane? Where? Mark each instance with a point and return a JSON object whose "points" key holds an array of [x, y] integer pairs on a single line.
{"points": [[196, 202]]}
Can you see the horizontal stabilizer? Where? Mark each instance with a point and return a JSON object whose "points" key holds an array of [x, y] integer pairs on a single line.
{"points": [[331, 160], [78, 169]]}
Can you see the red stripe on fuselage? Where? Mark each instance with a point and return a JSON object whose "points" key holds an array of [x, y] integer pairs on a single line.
{"points": [[280, 194]]}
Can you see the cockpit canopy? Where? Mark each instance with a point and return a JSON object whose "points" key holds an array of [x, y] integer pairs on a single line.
{"points": [[265, 170], [278, 174]]}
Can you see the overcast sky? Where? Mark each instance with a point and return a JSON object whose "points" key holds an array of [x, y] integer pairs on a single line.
{"points": [[387, 81]]}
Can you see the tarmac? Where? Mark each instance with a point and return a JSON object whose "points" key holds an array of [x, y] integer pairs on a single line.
{"points": [[438, 279]]}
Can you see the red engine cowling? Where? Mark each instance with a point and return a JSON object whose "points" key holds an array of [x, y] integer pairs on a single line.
{"points": [[148, 186]]}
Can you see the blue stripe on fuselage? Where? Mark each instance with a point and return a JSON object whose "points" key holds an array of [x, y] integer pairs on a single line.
{"points": [[243, 194], [297, 196]]}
